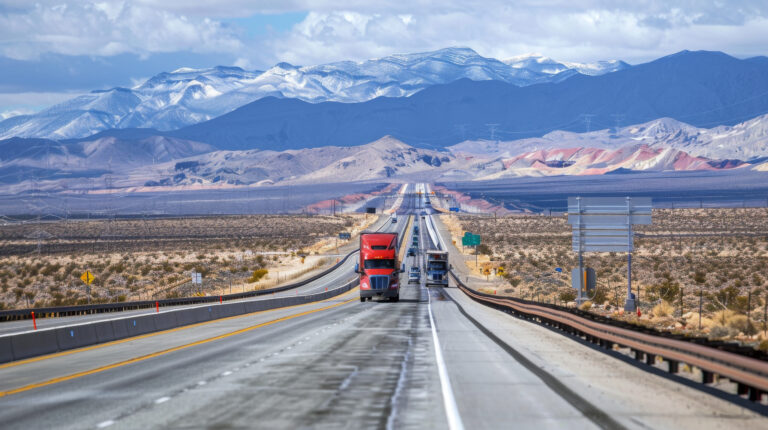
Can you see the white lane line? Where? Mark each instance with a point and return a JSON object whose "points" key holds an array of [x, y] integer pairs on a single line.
{"points": [[451, 410], [162, 400], [227, 373], [105, 424]]}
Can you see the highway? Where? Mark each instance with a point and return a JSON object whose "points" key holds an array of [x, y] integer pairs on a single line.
{"points": [[433, 360]]}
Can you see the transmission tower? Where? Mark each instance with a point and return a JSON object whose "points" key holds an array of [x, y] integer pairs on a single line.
{"points": [[492, 129], [617, 118]]}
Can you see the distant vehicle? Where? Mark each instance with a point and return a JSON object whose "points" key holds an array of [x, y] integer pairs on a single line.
{"points": [[378, 266], [437, 268], [423, 214], [394, 219], [412, 251], [415, 229], [414, 276], [416, 241], [427, 202]]}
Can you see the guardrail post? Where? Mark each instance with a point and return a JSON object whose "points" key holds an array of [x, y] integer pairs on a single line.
{"points": [[638, 354], [707, 377], [673, 366], [755, 394], [650, 359], [742, 389]]}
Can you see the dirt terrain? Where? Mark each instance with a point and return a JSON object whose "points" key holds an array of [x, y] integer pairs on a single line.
{"points": [[132, 259], [716, 258]]}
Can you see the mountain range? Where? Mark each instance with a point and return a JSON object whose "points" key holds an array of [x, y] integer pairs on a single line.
{"points": [[700, 88], [743, 141], [169, 101]]}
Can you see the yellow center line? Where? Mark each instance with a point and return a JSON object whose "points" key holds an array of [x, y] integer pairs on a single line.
{"points": [[405, 235], [157, 333], [165, 351]]}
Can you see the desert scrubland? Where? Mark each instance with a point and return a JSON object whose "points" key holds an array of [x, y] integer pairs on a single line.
{"points": [[716, 259], [134, 259]]}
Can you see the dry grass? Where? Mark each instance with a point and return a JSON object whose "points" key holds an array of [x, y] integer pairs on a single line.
{"points": [[718, 254], [137, 259]]}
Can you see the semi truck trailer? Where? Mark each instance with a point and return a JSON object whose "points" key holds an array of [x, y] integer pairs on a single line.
{"points": [[379, 267], [437, 268]]}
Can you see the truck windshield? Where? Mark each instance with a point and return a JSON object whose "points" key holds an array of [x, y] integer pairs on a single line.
{"points": [[380, 264], [436, 265]]}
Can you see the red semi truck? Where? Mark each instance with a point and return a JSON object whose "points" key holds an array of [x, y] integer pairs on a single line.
{"points": [[378, 266]]}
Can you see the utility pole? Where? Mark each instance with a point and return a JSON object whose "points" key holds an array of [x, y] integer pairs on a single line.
{"points": [[617, 118], [588, 120], [492, 129]]}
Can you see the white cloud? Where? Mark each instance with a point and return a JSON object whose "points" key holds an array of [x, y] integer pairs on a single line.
{"points": [[108, 28], [587, 30]]}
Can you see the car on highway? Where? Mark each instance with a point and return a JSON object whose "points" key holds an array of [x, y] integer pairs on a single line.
{"points": [[415, 229], [423, 214], [414, 276], [394, 219]]}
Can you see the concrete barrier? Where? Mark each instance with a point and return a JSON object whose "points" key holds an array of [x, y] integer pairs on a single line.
{"points": [[120, 328], [6, 350], [166, 320], [105, 331], [31, 344], [140, 325], [76, 337]]}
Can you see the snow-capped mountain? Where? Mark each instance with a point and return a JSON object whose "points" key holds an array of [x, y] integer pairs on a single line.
{"points": [[744, 141], [185, 96], [541, 64]]}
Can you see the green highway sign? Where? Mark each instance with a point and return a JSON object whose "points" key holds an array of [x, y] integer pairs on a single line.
{"points": [[470, 239]]}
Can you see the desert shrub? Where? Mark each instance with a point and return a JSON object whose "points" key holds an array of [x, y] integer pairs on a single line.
{"points": [[257, 275], [567, 296], [666, 290], [763, 346], [599, 295], [586, 306], [742, 324], [719, 331], [663, 309]]}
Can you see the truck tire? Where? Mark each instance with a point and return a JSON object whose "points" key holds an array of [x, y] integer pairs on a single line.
{"points": [[362, 299]]}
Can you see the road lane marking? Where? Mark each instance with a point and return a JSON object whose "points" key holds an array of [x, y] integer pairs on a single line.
{"points": [[157, 333], [449, 401], [166, 351]]}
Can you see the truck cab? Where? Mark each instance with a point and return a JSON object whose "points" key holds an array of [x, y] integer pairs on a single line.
{"points": [[437, 268], [378, 266]]}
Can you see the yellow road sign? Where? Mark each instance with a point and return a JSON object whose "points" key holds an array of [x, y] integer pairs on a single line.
{"points": [[87, 277]]}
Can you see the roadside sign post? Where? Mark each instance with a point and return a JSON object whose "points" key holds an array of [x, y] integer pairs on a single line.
{"points": [[604, 224], [87, 277], [470, 239]]}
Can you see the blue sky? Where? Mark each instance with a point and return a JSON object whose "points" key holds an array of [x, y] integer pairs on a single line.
{"points": [[51, 50]]}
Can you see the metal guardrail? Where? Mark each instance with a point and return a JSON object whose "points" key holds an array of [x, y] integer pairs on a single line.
{"points": [[744, 366]]}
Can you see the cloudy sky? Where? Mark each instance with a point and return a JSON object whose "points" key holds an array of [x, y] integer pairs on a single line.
{"points": [[51, 50]]}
